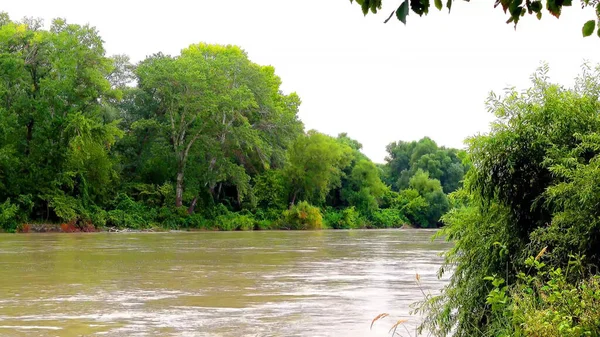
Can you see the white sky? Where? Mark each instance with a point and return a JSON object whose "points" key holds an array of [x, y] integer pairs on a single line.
{"points": [[378, 82]]}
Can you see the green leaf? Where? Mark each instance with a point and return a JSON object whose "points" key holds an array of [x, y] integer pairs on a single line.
{"points": [[388, 19], [539, 15], [599, 31], [449, 5], [417, 6], [402, 12], [506, 4], [536, 6], [438, 4], [554, 7], [365, 7], [588, 28], [426, 4]]}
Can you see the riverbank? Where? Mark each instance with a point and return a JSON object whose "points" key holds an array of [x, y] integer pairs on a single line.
{"points": [[69, 228]]}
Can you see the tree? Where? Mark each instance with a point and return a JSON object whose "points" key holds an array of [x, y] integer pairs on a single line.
{"points": [[224, 112], [183, 92], [56, 136], [431, 191], [315, 166], [361, 184], [405, 158], [515, 9], [532, 187]]}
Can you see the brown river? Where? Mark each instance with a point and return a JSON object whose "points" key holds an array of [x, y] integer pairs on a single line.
{"points": [[271, 283]]}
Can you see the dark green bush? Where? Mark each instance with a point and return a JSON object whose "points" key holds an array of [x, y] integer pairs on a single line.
{"points": [[234, 221], [8, 216], [130, 214], [197, 221], [347, 218], [388, 218], [332, 218], [172, 217]]}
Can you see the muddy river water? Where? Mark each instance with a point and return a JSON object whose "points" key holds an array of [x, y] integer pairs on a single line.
{"points": [[271, 283]]}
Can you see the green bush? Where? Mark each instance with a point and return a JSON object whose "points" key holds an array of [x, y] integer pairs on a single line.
{"points": [[266, 224], [8, 214], [95, 215], [348, 218], [332, 218], [197, 221], [234, 221], [545, 304], [130, 214], [388, 218], [271, 214], [302, 216], [172, 217]]}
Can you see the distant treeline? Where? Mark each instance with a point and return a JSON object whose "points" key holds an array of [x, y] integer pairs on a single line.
{"points": [[205, 139]]}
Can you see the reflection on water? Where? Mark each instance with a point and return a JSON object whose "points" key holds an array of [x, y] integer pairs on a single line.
{"points": [[325, 283]]}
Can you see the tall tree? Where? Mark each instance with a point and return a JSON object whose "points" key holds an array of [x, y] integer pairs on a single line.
{"points": [[222, 110], [406, 158], [315, 166], [361, 184], [56, 139]]}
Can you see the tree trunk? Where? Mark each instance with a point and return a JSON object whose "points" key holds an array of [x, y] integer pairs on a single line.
{"points": [[179, 189], [29, 136], [219, 191], [193, 205], [293, 199]]}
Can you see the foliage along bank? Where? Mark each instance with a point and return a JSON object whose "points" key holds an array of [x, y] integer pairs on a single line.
{"points": [[526, 224], [205, 139]]}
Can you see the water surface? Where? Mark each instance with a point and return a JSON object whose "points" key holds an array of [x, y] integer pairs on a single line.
{"points": [[322, 283]]}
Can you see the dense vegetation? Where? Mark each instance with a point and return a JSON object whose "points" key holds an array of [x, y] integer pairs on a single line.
{"points": [[205, 139], [526, 222]]}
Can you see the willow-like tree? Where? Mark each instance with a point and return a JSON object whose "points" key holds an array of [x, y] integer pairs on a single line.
{"points": [[534, 184]]}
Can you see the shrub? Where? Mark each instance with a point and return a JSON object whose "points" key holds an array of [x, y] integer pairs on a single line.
{"points": [[198, 221], [332, 218], [348, 218], [271, 214], [8, 214], [302, 216], [266, 224], [388, 218], [172, 217], [545, 303], [234, 221], [129, 213], [95, 216]]}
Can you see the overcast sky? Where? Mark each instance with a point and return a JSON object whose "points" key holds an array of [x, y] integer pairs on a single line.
{"points": [[377, 82]]}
